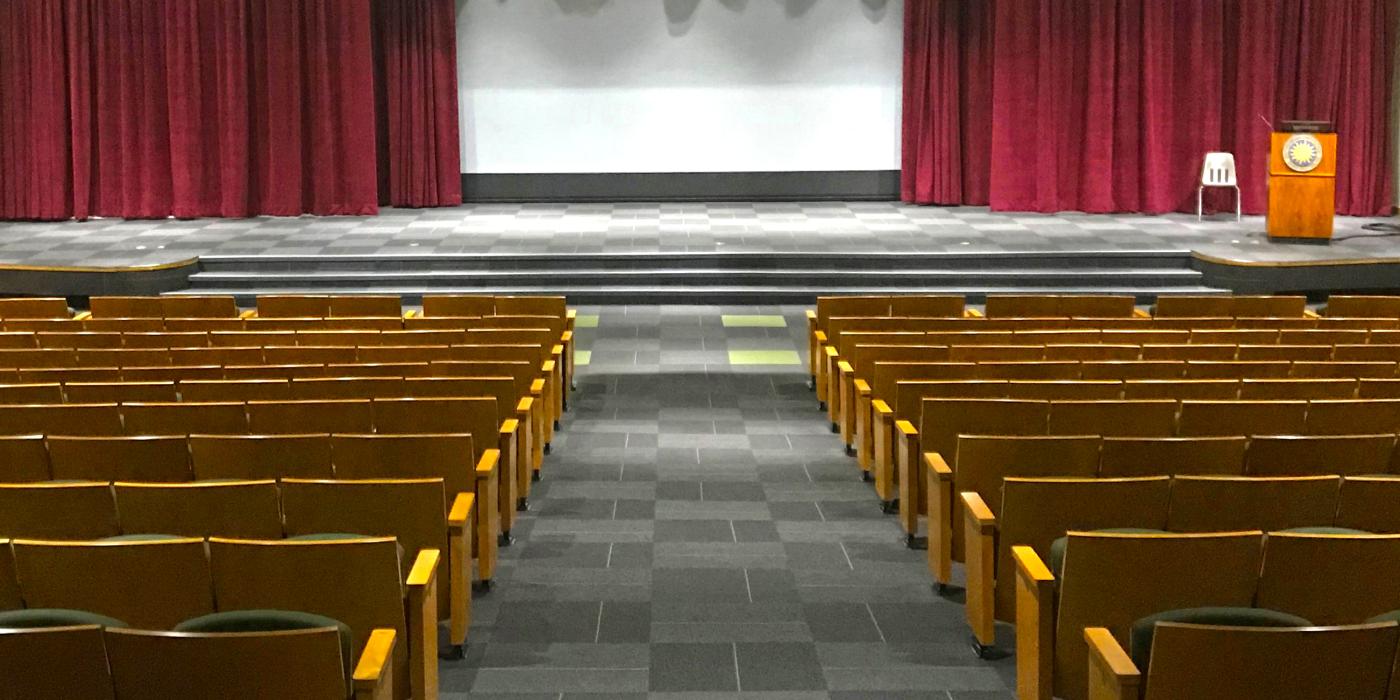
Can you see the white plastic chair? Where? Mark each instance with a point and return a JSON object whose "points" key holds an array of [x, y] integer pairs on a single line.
{"points": [[1218, 171]]}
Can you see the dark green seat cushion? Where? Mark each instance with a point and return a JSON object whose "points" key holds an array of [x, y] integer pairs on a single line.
{"points": [[1140, 635], [1325, 530], [139, 537], [54, 617], [273, 621], [1057, 548], [1392, 616]]}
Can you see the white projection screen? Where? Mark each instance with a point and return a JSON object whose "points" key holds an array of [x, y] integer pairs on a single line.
{"points": [[648, 86]]}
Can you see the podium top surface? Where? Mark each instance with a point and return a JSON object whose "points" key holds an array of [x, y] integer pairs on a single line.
{"points": [[1302, 126]]}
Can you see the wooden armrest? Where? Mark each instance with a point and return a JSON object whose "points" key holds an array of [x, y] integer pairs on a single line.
{"points": [[566, 336], [557, 349], [977, 514], [1112, 675], [972, 313], [1309, 313], [424, 571], [570, 313], [830, 352], [862, 387], [811, 314], [488, 464], [82, 316], [845, 367], [906, 429], [509, 426], [549, 365], [411, 313], [461, 511], [937, 468], [537, 386], [250, 313], [820, 336], [527, 403], [1029, 565], [880, 408], [374, 675]]}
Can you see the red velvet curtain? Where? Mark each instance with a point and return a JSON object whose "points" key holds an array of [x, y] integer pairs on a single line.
{"points": [[1109, 105], [155, 108], [416, 95]]}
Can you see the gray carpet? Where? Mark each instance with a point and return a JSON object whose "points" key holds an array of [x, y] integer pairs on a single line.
{"points": [[700, 533]]}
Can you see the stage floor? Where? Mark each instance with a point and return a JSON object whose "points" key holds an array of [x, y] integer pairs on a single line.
{"points": [[663, 228]]}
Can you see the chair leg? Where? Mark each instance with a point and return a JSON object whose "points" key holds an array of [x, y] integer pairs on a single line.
{"points": [[1239, 205], [1200, 203]]}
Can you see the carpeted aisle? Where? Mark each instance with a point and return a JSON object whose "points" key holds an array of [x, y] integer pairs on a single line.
{"points": [[699, 533]]}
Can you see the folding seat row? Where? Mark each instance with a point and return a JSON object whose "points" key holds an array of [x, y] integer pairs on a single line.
{"points": [[984, 461], [1125, 586], [114, 663], [1230, 306], [245, 354], [943, 420], [194, 584], [422, 514], [1039, 512], [1344, 306]]}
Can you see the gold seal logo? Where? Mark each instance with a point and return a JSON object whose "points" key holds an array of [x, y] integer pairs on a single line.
{"points": [[1302, 153]]}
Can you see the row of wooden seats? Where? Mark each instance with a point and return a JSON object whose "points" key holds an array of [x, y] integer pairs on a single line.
{"points": [[158, 584], [984, 461], [1118, 582], [1038, 512], [366, 324], [294, 305], [943, 420], [97, 663], [421, 513], [525, 343]]}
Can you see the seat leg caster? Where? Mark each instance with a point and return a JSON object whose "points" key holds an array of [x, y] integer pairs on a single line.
{"points": [[865, 476], [504, 540], [889, 507], [812, 384], [915, 542], [565, 405], [522, 505], [548, 447], [835, 427], [484, 585], [821, 405], [558, 425], [455, 652], [850, 450], [535, 477]]}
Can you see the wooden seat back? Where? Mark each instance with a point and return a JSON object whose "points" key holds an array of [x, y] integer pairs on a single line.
{"points": [[1124, 457], [1330, 579], [1350, 417], [450, 457], [303, 417], [463, 305], [252, 457], [1203, 418], [132, 458], [185, 418], [35, 393], [1368, 503], [1132, 369], [150, 665], [73, 341], [1178, 389], [1299, 389], [403, 353], [235, 390], [1065, 390], [55, 662], [309, 355], [477, 416], [1261, 663], [34, 307], [1146, 418], [1295, 455], [120, 392], [155, 584], [199, 307], [342, 388], [1060, 369], [1222, 503], [357, 582], [365, 306], [929, 306], [68, 419], [245, 509], [58, 511], [530, 306], [1111, 580], [24, 458], [294, 306], [1036, 512]]}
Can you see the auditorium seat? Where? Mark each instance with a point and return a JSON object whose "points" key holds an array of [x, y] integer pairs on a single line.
{"points": [[126, 307], [1330, 579], [1126, 457], [1205, 418], [1368, 503], [415, 512], [238, 509], [61, 419], [293, 306], [364, 306], [1247, 663], [34, 308], [252, 457], [1363, 306], [1334, 454], [240, 390], [58, 662], [140, 458], [1233, 503], [120, 392], [300, 417], [461, 305], [87, 510], [185, 418]]}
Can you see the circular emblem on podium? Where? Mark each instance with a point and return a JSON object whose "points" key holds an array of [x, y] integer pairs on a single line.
{"points": [[1302, 153]]}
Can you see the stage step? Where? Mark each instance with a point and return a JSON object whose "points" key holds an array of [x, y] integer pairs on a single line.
{"points": [[706, 277]]}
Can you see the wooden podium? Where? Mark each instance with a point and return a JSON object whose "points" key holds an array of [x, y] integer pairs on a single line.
{"points": [[1302, 185]]}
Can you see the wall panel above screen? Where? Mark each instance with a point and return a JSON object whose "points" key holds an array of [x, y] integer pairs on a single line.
{"points": [[636, 86]]}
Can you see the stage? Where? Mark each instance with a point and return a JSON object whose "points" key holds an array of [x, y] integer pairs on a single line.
{"points": [[690, 253]]}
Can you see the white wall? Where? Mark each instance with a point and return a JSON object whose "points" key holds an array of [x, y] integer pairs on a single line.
{"points": [[597, 86]]}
